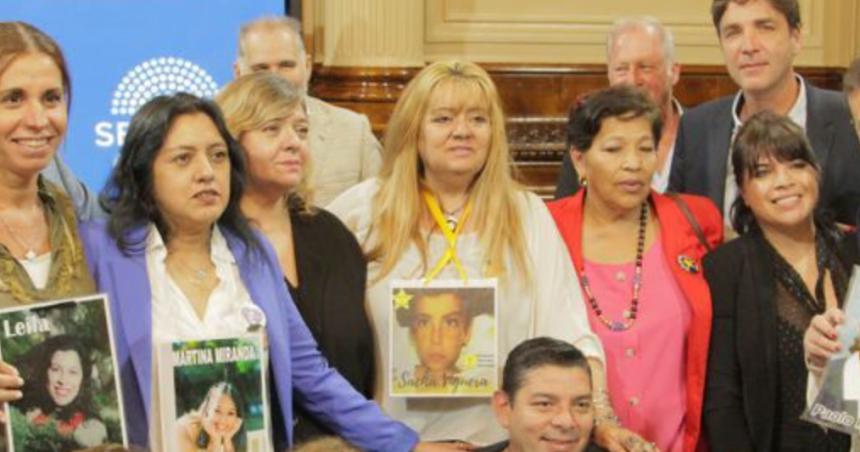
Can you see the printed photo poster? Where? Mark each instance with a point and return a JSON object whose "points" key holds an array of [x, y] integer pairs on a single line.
{"points": [[213, 395], [443, 340], [836, 405], [64, 351]]}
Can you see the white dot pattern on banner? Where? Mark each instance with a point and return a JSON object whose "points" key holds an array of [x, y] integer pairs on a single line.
{"points": [[158, 76]]}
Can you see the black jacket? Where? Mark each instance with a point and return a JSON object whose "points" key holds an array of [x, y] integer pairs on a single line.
{"points": [[332, 277], [743, 369]]}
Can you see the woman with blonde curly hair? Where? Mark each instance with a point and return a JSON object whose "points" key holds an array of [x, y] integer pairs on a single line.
{"points": [[446, 174], [322, 263]]}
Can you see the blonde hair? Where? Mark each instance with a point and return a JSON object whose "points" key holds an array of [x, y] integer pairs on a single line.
{"points": [[397, 207], [255, 99]]}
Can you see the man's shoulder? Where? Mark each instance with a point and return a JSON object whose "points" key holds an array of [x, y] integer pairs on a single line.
{"points": [[333, 112], [826, 101], [709, 111]]}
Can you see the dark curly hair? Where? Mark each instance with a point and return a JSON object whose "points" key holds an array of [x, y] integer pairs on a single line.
{"points": [[128, 195], [622, 101], [35, 390]]}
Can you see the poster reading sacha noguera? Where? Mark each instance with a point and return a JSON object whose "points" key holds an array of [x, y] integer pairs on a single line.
{"points": [[443, 340]]}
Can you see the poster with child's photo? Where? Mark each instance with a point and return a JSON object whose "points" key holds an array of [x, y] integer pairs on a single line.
{"points": [[213, 395], [71, 396], [443, 338], [836, 405]]}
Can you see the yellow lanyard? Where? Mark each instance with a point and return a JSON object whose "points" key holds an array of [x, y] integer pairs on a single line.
{"points": [[450, 255]]}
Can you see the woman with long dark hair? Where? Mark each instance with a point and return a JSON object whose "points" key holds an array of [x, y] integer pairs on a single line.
{"points": [[59, 391], [180, 262], [217, 424]]}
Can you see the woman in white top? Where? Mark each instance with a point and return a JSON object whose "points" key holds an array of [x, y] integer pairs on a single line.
{"points": [[446, 177]]}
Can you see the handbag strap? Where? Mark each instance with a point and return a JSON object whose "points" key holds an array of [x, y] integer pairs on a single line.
{"points": [[682, 205]]}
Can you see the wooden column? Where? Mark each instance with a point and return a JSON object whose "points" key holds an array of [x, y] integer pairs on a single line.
{"points": [[371, 33]]}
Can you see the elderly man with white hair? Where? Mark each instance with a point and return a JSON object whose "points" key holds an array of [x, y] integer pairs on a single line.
{"points": [[640, 51]]}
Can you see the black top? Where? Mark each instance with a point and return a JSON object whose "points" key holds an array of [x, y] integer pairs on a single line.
{"points": [[795, 307], [745, 406], [330, 297]]}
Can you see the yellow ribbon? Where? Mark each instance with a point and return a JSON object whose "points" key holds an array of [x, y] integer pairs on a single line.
{"points": [[450, 255]]}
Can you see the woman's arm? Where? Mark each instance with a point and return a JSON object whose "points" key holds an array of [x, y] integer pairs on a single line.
{"points": [[332, 400], [723, 412]]}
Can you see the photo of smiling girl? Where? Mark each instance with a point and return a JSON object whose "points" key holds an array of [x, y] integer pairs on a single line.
{"points": [[59, 393]]}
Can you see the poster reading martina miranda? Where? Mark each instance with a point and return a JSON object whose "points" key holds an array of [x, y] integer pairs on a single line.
{"points": [[443, 338], [836, 405], [213, 395], [71, 399]]}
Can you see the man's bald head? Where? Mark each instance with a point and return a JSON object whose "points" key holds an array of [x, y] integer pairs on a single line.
{"points": [[273, 44]]}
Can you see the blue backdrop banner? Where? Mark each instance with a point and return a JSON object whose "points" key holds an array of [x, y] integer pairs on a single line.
{"points": [[122, 53]]}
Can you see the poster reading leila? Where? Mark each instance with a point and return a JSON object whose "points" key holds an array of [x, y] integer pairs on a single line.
{"points": [[443, 338], [71, 399]]}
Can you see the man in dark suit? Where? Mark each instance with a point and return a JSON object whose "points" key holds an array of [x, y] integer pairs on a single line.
{"points": [[759, 40], [640, 52]]}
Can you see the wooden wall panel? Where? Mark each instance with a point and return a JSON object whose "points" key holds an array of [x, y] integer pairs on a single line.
{"points": [[536, 100], [575, 31]]}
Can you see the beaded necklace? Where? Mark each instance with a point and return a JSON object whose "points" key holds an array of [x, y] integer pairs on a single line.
{"points": [[630, 314]]}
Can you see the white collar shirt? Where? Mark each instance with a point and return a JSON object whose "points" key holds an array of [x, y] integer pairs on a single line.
{"points": [[174, 318], [660, 179], [797, 113]]}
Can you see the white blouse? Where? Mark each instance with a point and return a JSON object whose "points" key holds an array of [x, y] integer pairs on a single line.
{"points": [[551, 306], [173, 317], [38, 269]]}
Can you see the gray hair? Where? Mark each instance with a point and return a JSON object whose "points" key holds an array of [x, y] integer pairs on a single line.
{"points": [[284, 23], [646, 23]]}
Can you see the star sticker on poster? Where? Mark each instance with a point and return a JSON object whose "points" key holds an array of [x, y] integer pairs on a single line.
{"points": [[402, 299]]}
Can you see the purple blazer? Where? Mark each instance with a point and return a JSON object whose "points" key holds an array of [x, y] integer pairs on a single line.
{"points": [[296, 363]]}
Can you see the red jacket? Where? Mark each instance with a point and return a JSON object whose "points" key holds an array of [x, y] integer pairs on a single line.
{"points": [[678, 239]]}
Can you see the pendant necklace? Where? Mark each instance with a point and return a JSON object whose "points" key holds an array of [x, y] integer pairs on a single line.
{"points": [[451, 215], [30, 254], [199, 276], [630, 314]]}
